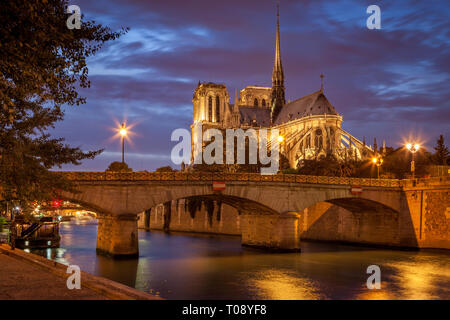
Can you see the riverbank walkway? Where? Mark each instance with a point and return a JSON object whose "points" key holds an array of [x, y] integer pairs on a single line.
{"points": [[25, 276]]}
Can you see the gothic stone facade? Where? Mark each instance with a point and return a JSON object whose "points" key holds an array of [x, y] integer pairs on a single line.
{"points": [[311, 126]]}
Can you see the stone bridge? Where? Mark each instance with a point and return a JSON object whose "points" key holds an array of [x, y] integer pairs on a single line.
{"points": [[271, 203]]}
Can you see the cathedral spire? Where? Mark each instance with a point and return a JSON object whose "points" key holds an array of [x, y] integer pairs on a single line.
{"points": [[277, 74], [278, 97]]}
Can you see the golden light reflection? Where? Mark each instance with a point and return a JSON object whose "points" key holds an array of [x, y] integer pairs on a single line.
{"points": [[278, 285], [381, 294], [419, 280]]}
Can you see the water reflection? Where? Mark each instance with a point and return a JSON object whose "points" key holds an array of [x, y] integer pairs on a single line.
{"points": [[279, 285], [123, 271], [207, 267], [421, 278]]}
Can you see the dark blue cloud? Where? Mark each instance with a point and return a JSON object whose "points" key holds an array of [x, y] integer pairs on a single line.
{"points": [[390, 83]]}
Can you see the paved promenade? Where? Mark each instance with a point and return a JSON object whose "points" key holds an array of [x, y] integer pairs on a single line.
{"points": [[24, 276], [24, 281]]}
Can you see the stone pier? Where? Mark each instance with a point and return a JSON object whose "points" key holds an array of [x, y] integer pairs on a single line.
{"points": [[274, 232], [117, 236]]}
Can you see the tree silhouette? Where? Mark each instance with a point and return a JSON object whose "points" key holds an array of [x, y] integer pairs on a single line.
{"points": [[42, 65], [441, 155], [118, 166]]}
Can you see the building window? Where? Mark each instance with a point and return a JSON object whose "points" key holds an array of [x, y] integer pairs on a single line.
{"points": [[263, 102], [318, 141], [217, 109], [210, 109], [256, 102]]}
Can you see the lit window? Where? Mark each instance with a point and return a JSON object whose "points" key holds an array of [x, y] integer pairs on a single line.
{"points": [[210, 109]]}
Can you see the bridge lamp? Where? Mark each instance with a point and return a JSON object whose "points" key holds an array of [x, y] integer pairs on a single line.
{"points": [[413, 148], [378, 162], [123, 133], [280, 139]]}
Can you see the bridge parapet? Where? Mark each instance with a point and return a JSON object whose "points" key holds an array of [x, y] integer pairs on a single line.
{"points": [[426, 183], [206, 176]]}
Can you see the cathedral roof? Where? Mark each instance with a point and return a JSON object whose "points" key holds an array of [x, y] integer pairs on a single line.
{"points": [[261, 115], [314, 104]]}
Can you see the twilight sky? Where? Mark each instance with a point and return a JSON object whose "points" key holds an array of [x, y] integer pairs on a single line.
{"points": [[390, 84]]}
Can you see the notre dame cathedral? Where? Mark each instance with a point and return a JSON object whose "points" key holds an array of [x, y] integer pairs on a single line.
{"points": [[310, 126]]}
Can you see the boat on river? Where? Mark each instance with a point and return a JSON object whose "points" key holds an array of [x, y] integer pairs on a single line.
{"points": [[40, 234]]}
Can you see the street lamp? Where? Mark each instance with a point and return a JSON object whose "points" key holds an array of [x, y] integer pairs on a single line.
{"points": [[413, 148], [123, 133], [280, 140], [378, 162]]}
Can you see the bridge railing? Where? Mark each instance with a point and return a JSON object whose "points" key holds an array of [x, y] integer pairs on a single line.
{"points": [[252, 177]]}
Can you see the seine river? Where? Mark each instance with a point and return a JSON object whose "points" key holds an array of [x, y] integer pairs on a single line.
{"points": [[186, 266]]}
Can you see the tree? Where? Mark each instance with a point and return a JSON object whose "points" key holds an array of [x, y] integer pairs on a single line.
{"points": [[165, 169], [440, 157], [397, 164], [330, 166], [117, 166], [42, 64]]}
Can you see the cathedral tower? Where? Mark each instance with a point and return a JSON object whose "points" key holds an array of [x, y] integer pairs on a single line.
{"points": [[277, 96]]}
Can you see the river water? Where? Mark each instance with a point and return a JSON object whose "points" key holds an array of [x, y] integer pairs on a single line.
{"points": [[187, 266]]}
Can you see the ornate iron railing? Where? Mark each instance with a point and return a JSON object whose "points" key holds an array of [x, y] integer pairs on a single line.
{"points": [[252, 177]]}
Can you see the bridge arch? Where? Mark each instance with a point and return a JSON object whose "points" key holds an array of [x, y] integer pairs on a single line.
{"points": [[119, 198], [362, 205], [357, 221], [270, 209], [85, 205], [243, 205], [371, 199]]}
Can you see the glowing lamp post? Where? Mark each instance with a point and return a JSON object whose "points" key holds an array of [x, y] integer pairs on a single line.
{"points": [[280, 140], [378, 162], [123, 133], [413, 148]]}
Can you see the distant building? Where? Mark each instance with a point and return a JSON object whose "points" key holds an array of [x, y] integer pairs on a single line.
{"points": [[310, 125]]}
